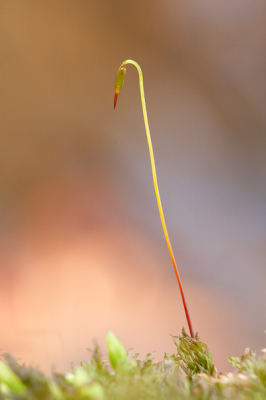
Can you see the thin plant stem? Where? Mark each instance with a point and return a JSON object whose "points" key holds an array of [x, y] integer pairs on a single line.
{"points": [[119, 82]]}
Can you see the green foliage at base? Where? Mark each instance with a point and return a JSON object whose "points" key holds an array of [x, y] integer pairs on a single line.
{"points": [[189, 374]]}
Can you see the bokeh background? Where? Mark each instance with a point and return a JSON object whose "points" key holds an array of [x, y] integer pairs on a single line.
{"points": [[81, 245]]}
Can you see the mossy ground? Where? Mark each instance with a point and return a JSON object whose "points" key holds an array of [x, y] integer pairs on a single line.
{"points": [[189, 374]]}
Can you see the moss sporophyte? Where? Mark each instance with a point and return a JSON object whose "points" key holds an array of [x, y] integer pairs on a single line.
{"points": [[189, 373], [119, 83]]}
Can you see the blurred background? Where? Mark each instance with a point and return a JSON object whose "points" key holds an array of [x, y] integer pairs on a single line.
{"points": [[81, 245]]}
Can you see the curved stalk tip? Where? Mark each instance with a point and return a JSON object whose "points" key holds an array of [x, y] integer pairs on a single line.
{"points": [[119, 83]]}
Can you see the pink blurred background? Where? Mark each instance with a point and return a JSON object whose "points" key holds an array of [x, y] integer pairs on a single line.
{"points": [[81, 245]]}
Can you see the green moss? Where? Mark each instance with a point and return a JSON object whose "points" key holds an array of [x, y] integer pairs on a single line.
{"points": [[189, 374]]}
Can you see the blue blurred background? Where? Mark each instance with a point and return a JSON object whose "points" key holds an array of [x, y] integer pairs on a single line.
{"points": [[81, 245]]}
